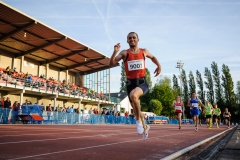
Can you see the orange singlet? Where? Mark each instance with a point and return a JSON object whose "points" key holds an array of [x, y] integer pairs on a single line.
{"points": [[135, 64]]}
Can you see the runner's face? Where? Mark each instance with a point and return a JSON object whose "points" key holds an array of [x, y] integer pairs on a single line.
{"points": [[132, 40], [194, 95]]}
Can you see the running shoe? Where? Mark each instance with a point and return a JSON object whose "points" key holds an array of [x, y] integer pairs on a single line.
{"points": [[145, 133], [140, 128], [196, 129]]}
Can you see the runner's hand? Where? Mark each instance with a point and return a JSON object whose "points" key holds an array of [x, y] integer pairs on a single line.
{"points": [[117, 47], [157, 71]]}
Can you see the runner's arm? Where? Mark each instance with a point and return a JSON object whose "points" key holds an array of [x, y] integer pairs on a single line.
{"points": [[173, 103], [115, 59], [189, 103], [155, 61]]}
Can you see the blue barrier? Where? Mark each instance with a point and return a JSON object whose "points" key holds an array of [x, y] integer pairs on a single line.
{"points": [[72, 118]]}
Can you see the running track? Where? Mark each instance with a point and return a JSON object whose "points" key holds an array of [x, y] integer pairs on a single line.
{"points": [[96, 141]]}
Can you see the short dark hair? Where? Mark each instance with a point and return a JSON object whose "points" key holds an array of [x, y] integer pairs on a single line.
{"points": [[133, 33]]}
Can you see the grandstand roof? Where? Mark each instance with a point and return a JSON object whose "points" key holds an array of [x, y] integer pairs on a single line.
{"points": [[23, 35]]}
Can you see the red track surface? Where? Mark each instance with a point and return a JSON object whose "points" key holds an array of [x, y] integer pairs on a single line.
{"points": [[96, 141]]}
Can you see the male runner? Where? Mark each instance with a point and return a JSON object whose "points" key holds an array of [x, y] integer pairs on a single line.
{"points": [[216, 114], [193, 103], [227, 115], [134, 63], [208, 112]]}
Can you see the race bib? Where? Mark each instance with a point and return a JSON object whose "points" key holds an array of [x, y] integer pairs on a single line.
{"points": [[226, 115], [135, 65], [195, 104], [178, 108]]}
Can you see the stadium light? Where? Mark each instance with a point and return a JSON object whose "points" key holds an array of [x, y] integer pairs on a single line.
{"points": [[180, 66]]}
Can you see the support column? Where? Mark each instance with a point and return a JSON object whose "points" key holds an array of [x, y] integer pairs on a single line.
{"points": [[47, 69], [98, 107], [13, 60], [21, 98], [59, 75], [66, 78], [79, 109], [39, 70], [81, 80], [54, 103], [22, 64]]}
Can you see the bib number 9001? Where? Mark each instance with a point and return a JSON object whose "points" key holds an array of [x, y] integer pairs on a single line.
{"points": [[135, 65]]}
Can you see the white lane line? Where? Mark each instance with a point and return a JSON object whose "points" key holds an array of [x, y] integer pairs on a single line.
{"points": [[38, 134], [103, 145], [54, 139]]}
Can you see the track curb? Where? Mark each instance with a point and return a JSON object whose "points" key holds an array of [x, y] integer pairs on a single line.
{"points": [[187, 149]]}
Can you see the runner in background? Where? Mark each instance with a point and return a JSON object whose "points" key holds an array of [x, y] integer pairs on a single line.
{"points": [[208, 110], [193, 103], [178, 107], [216, 115], [227, 115]]}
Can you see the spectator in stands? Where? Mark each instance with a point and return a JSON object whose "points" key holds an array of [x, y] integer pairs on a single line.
{"points": [[27, 102], [49, 110], [8, 70], [7, 103], [1, 73], [103, 112], [2, 102], [58, 109], [85, 114], [7, 107], [101, 95], [95, 111], [72, 109], [90, 111], [68, 110], [64, 108], [37, 102], [89, 93], [126, 114], [15, 109]]}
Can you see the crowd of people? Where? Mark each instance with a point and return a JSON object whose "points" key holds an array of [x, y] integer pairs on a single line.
{"points": [[19, 78]]}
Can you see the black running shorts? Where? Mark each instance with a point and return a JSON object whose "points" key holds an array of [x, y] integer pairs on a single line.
{"points": [[131, 84]]}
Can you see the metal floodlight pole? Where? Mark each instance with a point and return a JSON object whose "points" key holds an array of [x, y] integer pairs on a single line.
{"points": [[180, 66]]}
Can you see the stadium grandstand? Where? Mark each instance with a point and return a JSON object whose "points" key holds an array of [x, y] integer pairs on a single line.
{"points": [[41, 65]]}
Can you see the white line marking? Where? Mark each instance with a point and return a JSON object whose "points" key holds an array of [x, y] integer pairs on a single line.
{"points": [[36, 134], [54, 139], [103, 145]]}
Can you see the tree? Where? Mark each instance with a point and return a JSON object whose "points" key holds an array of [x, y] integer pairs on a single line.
{"points": [[200, 86], [228, 86], [238, 97], [175, 84], [238, 92], [163, 92], [191, 83], [185, 87], [209, 85], [217, 84], [148, 78], [156, 106], [123, 79]]}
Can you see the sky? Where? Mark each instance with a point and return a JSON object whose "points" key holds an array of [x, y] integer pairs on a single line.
{"points": [[195, 31]]}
